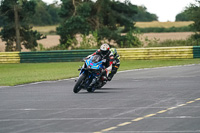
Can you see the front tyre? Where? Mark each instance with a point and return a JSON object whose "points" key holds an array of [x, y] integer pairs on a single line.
{"points": [[79, 83], [91, 89]]}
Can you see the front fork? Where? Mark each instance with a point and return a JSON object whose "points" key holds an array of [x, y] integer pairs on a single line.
{"points": [[94, 80]]}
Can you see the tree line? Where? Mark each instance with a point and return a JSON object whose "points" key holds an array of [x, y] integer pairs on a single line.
{"points": [[44, 14], [48, 14], [192, 13], [187, 13], [105, 19]]}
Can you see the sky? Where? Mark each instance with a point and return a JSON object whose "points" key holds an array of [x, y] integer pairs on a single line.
{"points": [[166, 10]]}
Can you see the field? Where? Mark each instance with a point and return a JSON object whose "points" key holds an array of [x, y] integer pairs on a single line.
{"points": [[13, 74], [47, 29], [53, 40], [162, 24]]}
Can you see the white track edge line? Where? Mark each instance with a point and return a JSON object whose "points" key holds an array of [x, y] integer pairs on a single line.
{"points": [[34, 83]]}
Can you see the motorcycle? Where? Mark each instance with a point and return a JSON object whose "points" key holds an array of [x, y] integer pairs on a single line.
{"points": [[91, 76]]}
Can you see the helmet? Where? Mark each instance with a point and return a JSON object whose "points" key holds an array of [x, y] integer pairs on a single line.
{"points": [[114, 51], [104, 48]]}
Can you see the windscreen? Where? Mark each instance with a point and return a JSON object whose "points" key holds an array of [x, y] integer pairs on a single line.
{"points": [[96, 58]]}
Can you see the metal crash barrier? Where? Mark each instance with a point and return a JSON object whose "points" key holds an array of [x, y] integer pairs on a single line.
{"points": [[185, 52]]}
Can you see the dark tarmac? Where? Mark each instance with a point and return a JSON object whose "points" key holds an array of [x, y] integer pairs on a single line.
{"points": [[158, 100]]}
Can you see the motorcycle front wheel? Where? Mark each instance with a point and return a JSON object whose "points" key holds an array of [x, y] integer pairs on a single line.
{"points": [[79, 83], [91, 89]]}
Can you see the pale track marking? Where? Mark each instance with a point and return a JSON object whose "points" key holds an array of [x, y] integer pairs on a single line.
{"points": [[117, 72], [138, 119], [145, 117], [125, 123], [162, 111]]}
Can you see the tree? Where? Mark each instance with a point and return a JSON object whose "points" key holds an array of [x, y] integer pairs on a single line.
{"points": [[103, 16], [1, 21], [41, 15], [144, 16], [16, 17], [53, 10], [45, 14], [194, 11], [183, 16]]}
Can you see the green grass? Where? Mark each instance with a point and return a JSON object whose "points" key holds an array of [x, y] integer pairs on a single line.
{"points": [[14, 74], [139, 64]]}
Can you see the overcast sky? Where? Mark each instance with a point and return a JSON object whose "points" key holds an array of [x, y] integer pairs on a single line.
{"points": [[166, 10]]}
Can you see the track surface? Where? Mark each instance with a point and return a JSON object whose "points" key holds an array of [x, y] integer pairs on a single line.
{"points": [[159, 100]]}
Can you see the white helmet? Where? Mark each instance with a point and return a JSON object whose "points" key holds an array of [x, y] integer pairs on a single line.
{"points": [[104, 48]]}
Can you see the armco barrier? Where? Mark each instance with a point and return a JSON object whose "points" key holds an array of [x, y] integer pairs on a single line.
{"points": [[196, 51], [54, 56], [186, 52], [156, 53], [9, 57]]}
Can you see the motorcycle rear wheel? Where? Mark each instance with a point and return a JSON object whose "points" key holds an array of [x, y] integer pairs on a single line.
{"points": [[78, 84]]}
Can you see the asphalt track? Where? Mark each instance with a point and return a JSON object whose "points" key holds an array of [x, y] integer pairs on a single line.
{"points": [[158, 100]]}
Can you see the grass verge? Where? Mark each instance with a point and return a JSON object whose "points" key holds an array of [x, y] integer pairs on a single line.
{"points": [[14, 74]]}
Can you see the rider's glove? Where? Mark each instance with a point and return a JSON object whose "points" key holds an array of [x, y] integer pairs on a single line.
{"points": [[114, 62]]}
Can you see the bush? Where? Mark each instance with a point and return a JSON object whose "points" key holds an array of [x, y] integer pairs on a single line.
{"points": [[131, 40], [162, 29], [195, 39]]}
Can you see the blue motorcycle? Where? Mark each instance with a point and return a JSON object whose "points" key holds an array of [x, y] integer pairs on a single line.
{"points": [[91, 77]]}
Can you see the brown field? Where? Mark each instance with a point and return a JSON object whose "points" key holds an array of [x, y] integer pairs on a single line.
{"points": [[162, 24], [53, 40], [50, 41], [47, 29], [166, 36]]}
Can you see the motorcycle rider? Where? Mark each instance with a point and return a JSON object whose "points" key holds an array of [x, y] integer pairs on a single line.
{"points": [[116, 63], [105, 53]]}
